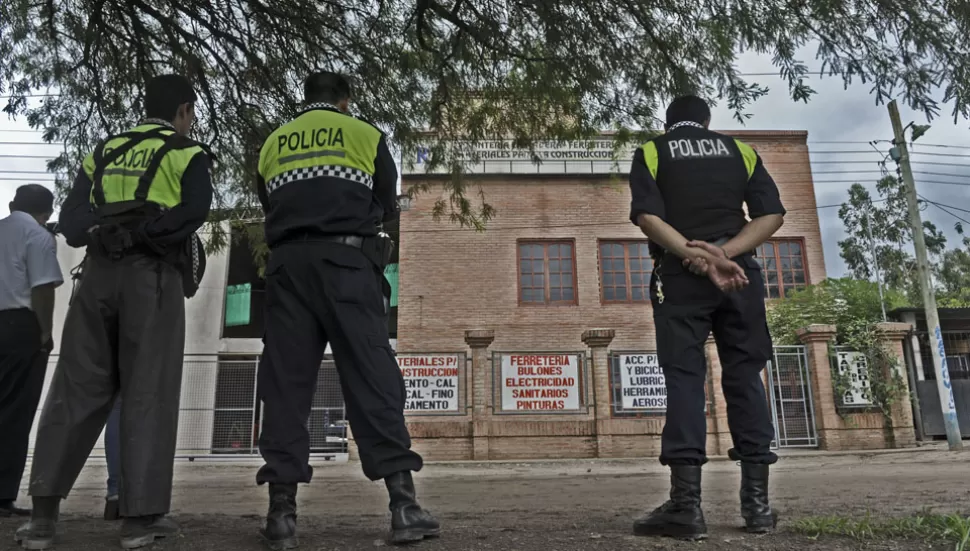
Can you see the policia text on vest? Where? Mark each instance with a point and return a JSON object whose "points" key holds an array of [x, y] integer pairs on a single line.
{"points": [[138, 199], [696, 182], [327, 183]]}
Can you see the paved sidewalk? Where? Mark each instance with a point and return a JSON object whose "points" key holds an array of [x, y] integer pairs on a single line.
{"points": [[566, 505]]}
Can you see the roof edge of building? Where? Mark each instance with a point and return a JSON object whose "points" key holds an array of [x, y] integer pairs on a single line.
{"points": [[800, 135]]}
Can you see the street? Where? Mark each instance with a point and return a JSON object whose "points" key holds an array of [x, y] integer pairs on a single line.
{"points": [[568, 505]]}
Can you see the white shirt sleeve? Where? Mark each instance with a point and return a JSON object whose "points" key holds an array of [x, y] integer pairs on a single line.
{"points": [[42, 265]]}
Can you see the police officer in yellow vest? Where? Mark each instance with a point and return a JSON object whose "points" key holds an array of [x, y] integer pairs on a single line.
{"points": [[135, 204], [689, 187], [327, 181]]}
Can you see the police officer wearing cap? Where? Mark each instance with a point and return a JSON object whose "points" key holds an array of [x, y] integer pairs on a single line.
{"points": [[688, 189], [327, 182], [135, 205]]}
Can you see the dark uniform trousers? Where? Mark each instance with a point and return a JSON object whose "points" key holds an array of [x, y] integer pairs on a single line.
{"points": [[693, 307], [124, 333], [23, 365], [318, 292]]}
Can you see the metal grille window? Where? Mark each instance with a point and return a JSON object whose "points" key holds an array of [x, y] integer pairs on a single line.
{"points": [[234, 421], [783, 265], [625, 268], [547, 272]]}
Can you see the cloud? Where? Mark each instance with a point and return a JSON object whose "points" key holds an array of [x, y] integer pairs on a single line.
{"points": [[837, 114]]}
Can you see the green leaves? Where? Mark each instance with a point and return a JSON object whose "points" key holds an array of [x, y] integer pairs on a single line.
{"points": [[470, 69], [886, 219]]}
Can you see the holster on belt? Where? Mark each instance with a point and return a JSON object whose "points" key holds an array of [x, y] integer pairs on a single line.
{"points": [[112, 240], [378, 249]]}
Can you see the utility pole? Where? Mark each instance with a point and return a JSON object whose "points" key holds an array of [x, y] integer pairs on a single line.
{"points": [[875, 264], [900, 154]]}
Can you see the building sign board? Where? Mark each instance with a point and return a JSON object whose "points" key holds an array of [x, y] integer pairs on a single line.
{"points": [[642, 384], [599, 155], [855, 365], [431, 382], [540, 383]]}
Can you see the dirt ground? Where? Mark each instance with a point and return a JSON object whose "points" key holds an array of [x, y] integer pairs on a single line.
{"points": [[548, 506]]}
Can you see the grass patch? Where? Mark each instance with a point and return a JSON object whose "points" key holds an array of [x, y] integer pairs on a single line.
{"points": [[953, 528]]}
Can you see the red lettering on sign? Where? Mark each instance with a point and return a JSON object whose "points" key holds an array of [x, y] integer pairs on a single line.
{"points": [[540, 360], [430, 372]]}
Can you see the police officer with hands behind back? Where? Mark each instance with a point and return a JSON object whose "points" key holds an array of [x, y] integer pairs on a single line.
{"points": [[327, 181], [688, 187], [135, 204]]}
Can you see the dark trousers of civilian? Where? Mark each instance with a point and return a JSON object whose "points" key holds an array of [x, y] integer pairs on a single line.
{"points": [[23, 366], [318, 293], [692, 308], [124, 336]]}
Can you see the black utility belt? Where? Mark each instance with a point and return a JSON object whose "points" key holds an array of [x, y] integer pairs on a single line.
{"points": [[377, 248], [355, 241]]}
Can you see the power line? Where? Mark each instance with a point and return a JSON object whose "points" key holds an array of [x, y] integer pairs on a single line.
{"points": [[941, 207], [939, 154], [948, 206]]}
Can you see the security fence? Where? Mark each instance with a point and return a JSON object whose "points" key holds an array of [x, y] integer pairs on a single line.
{"points": [[220, 414]]}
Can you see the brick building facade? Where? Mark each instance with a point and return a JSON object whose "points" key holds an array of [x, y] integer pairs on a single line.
{"points": [[573, 228], [561, 270]]}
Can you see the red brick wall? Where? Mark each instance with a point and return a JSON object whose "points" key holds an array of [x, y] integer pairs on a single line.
{"points": [[452, 279]]}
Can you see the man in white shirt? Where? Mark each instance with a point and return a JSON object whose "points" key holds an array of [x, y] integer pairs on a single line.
{"points": [[29, 273]]}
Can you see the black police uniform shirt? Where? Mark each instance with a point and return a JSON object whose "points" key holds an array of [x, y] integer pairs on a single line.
{"points": [[698, 180], [327, 205]]}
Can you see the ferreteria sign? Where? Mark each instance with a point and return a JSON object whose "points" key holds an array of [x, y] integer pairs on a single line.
{"points": [[597, 156], [540, 383], [431, 382]]}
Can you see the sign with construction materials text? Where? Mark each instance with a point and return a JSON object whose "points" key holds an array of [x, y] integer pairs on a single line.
{"points": [[854, 366], [642, 384], [431, 382], [540, 382], [599, 155]]}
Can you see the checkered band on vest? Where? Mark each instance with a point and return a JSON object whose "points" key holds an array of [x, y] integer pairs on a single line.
{"points": [[329, 171]]}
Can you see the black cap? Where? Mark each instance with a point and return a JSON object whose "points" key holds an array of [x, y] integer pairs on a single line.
{"points": [[165, 93], [689, 108], [33, 199]]}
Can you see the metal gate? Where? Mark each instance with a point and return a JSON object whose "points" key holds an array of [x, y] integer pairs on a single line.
{"points": [[790, 396]]}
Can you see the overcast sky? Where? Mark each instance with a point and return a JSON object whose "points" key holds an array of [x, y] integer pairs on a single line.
{"points": [[833, 115]]}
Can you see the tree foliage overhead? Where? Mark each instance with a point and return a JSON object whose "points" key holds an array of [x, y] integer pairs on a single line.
{"points": [[594, 64]]}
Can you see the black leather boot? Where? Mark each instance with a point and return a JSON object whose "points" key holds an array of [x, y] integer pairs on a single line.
{"points": [[280, 530], [138, 532], [409, 522], [757, 513], [39, 532], [680, 517]]}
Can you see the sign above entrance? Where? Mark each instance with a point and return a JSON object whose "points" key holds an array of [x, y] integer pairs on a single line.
{"points": [[596, 156]]}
